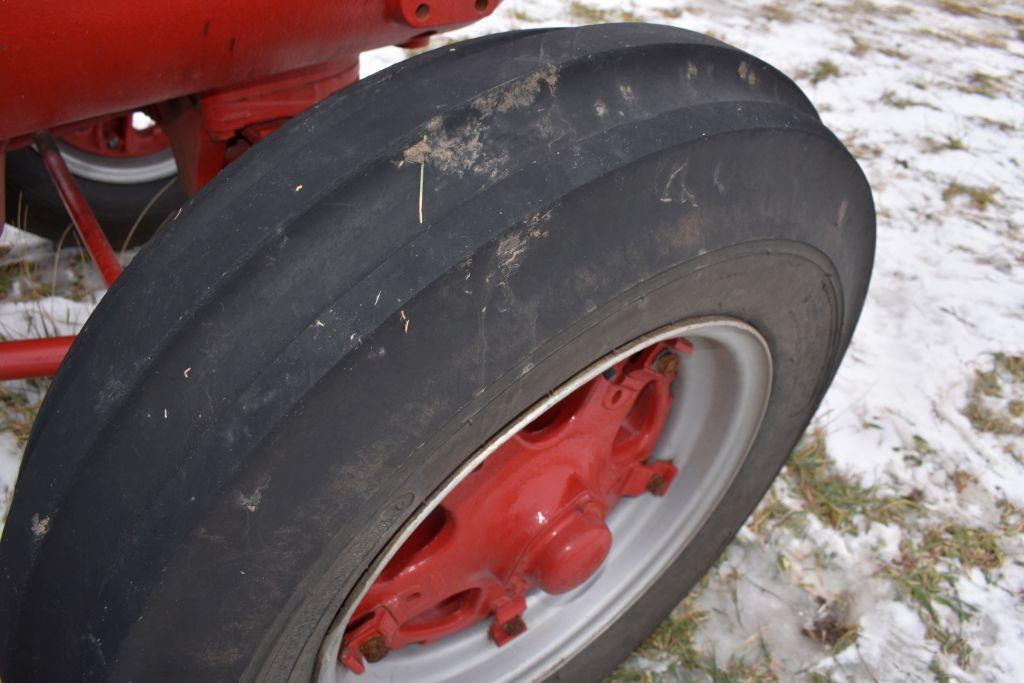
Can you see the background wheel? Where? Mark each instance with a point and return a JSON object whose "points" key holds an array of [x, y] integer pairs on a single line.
{"points": [[126, 172], [328, 345]]}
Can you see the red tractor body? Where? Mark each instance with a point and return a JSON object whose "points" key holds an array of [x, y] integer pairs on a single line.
{"points": [[66, 61], [216, 77]]}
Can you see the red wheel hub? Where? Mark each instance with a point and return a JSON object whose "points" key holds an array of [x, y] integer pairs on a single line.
{"points": [[115, 136], [531, 516]]}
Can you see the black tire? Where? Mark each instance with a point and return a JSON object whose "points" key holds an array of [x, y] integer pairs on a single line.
{"points": [[289, 368], [34, 205]]}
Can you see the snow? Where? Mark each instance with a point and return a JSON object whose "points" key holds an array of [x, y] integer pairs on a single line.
{"points": [[947, 294]]}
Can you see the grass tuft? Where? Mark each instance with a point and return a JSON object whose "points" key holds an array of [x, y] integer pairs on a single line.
{"points": [[950, 143], [970, 546], [988, 408], [960, 9], [979, 198], [927, 574], [893, 100], [822, 70], [836, 499], [778, 11], [17, 410], [582, 12], [981, 83]]}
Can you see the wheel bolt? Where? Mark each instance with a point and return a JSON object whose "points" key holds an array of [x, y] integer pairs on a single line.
{"points": [[374, 649], [514, 626], [656, 485], [666, 363]]}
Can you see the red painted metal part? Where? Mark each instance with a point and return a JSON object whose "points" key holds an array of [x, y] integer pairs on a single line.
{"points": [[3, 184], [210, 130], [70, 60], [531, 516], [32, 357], [42, 357], [78, 208], [115, 136], [219, 77]]}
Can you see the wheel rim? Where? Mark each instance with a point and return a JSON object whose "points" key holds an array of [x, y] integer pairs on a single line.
{"points": [[115, 150], [707, 434]]}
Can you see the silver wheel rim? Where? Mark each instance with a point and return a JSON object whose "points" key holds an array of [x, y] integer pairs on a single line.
{"points": [[721, 394], [127, 171]]}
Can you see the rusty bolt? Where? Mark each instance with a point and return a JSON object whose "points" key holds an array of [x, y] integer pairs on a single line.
{"points": [[374, 649], [514, 626], [656, 484], [666, 363]]}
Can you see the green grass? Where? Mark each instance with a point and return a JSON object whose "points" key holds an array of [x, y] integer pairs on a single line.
{"points": [[970, 546], [893, 100], [587, 14], [985, 408], [960, 9], [927, 572], [822, 70], [18, 410], [837, 499], [981, 83], [778, 11], [673, 646], [772, 513], [948, 143], [980, 198]]}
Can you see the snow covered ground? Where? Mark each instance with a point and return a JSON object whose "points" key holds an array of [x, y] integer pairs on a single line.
{"points": [[891, 548]]}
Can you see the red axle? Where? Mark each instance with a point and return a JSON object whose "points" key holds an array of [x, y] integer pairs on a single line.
{"points": [[531, 516], [32, 357]]}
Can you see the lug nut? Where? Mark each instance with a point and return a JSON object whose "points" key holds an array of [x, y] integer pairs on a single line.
{"points": [[374, 649], [656, 484], [514, 626], [666, 363]]}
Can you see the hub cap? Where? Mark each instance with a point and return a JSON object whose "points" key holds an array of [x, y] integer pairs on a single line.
{"points": [[531, 516], [544, 538]]}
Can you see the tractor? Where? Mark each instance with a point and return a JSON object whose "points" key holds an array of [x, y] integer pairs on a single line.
{"points": [[467, 370]]}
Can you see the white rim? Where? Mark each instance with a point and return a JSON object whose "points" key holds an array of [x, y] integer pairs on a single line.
{"points": [[126, 171], [721, 393]]}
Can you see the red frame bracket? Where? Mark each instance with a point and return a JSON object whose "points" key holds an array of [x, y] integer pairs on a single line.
{"points": [[42, 357]]}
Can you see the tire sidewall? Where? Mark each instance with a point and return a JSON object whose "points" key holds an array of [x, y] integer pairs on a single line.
{"points": [[801, 332], [582, 287]]}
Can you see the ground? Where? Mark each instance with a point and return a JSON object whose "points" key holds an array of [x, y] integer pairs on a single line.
{"points": [[891, 547]]}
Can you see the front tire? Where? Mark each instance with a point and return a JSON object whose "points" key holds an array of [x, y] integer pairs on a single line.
{"points": [[325, 343]]}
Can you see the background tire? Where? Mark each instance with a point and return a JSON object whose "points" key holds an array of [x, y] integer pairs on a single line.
{"points": [[289, 369], [34, 205]]}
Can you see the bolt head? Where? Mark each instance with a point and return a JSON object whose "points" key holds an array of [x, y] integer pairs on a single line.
{"points": [[656, 484], [374, 649], [666, 363], [514, 626]]}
